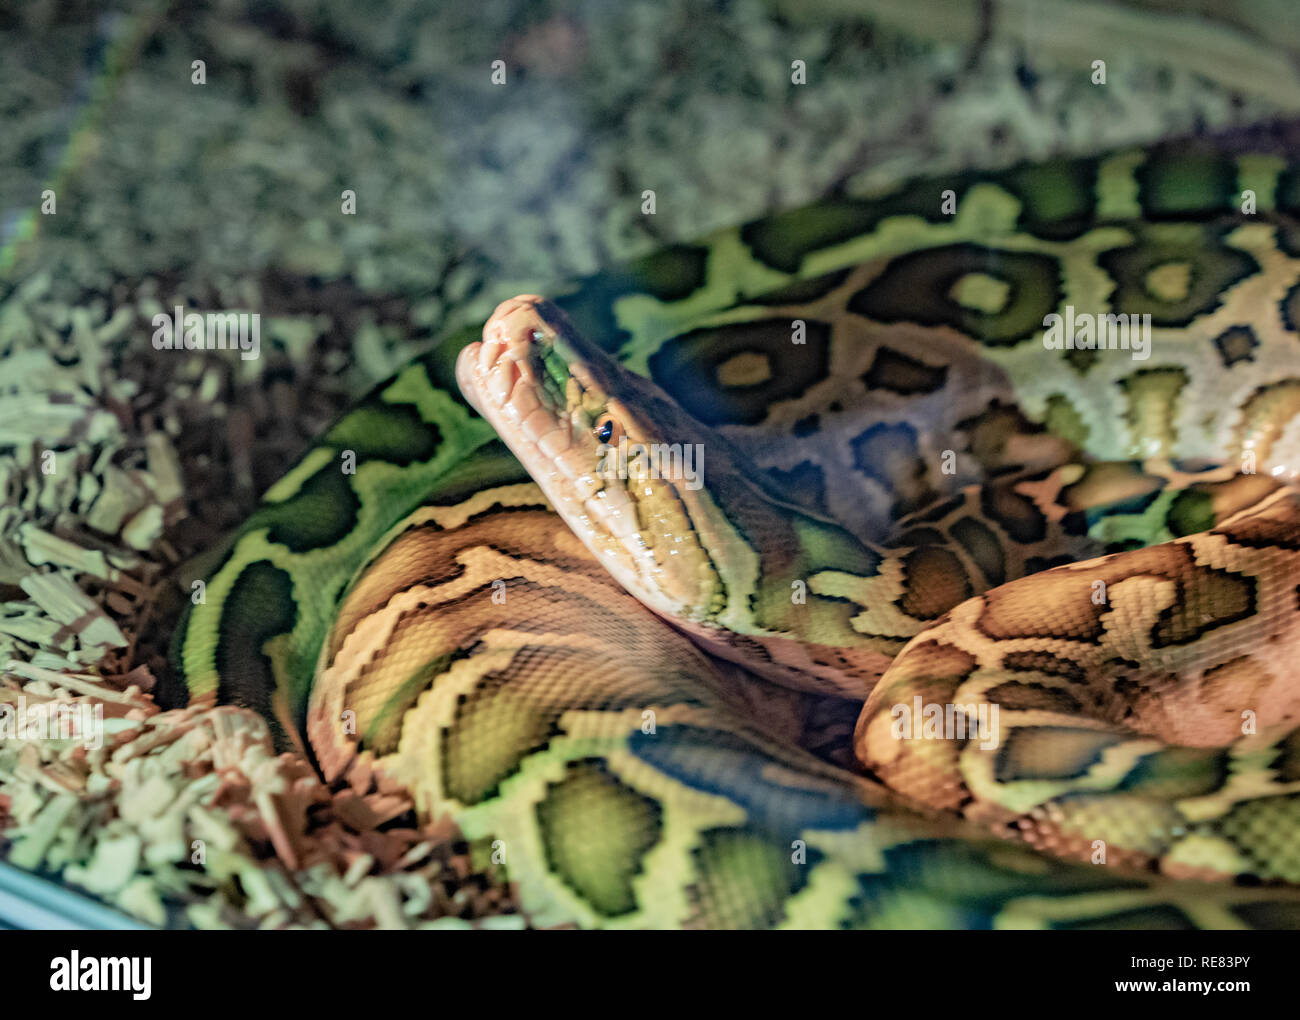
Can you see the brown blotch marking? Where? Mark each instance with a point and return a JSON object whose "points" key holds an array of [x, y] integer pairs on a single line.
{"points": [[1276, 525], [1024, 697], [403, 565], [943, 660], [1107, 483], [1045, 662], [415, 654], [992, 430], [1014, 512], [939, 510], [426, 554], [1039, 564], [917, 536], [892, 370], [935, 581], [1051, 752], [1002, 437], [1236, 343], [984, 548], [1059, 603]]}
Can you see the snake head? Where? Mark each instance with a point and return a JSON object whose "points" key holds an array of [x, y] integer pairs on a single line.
{"points": [[614, 456], [714, 549]]}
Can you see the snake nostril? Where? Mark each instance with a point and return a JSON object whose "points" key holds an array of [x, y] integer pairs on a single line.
{"points": [[530, 335]]}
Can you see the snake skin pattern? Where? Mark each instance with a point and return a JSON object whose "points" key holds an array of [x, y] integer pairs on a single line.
{"points": [[908, 500]]}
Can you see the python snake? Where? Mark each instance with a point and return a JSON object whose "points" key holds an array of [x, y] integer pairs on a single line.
{"points": [[948, 627]]}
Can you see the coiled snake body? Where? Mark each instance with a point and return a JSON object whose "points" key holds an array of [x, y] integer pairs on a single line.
{"points": [[925, 621]]}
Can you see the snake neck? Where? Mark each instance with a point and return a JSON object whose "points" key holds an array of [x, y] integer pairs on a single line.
{"points": [[688, 524]]}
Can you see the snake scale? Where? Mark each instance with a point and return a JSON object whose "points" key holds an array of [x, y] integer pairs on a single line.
{"points": [[946, 626]]}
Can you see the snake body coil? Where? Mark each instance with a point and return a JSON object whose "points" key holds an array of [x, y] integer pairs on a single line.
{"points": [[817, 576]]}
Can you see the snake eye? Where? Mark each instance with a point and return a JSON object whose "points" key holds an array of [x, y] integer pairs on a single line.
{"points": [[606, 430]]}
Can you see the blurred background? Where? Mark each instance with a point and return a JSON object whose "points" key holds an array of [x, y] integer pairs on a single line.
{"points": [[161, 153], [217, 184]]}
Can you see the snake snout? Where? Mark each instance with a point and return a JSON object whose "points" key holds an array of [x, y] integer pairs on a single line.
{"points": [[519, 323], [490, 368]]}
